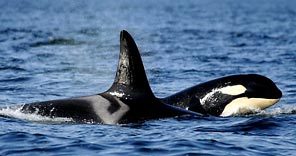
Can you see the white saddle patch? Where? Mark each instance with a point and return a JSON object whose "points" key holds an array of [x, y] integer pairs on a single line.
{"points": [[101, 105]]}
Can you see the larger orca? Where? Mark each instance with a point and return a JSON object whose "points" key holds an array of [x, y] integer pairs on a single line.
{"points": [[230, 95], [129, 99]]}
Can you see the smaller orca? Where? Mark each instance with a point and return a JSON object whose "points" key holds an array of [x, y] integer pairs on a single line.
{"points": [[226, 96], [130, 98]]}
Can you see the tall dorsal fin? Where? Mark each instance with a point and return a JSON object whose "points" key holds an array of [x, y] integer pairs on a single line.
{"points": [[130, 79]]}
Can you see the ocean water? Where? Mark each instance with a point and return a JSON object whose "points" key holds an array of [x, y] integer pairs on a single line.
{"points": [[60, 48]]}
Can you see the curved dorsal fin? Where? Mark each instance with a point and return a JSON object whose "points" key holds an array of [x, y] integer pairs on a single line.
{"points": [[130, 79]]}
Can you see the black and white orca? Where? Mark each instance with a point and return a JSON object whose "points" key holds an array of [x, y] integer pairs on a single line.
{"points": [[226, 96], [130, 98]]}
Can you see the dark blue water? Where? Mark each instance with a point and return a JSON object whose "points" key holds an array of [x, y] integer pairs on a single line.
{"points": [[58, 49]]}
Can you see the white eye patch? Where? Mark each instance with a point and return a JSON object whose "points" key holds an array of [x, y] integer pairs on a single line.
{"points": [[233, 90]]}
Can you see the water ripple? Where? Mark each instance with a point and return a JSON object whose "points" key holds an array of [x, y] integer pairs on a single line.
{"points": [[56, 41]]}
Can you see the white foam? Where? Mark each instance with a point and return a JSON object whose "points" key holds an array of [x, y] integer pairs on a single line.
{"points": [[208, 96], [117, 94], [286, 109], [15, 112]]}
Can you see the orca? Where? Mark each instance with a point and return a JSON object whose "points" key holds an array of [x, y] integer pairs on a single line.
{"points": [[129, 99], [227, 96]]}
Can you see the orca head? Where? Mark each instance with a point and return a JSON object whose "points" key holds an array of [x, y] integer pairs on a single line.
{"points": [[259, 86], [249, 93], [226, 96]]}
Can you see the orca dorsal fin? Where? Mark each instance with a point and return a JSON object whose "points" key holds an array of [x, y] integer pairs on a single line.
{"points": [[130, 79]]}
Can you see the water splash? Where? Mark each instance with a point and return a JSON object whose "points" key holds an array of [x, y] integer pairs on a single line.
{"points": [[285, 109], [15, 112]]}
